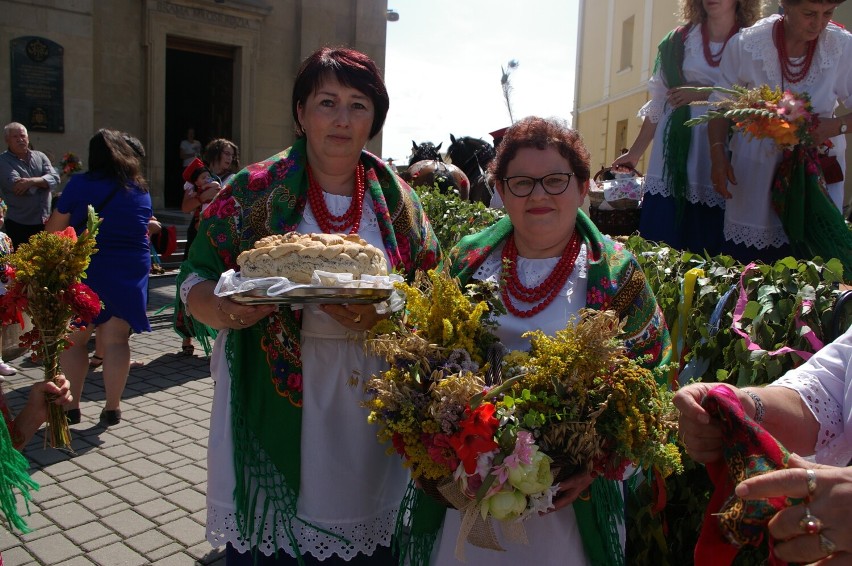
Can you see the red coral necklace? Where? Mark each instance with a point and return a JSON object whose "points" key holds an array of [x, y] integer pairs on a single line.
{"points": [[713, 59], [349, 220], [791, 72], [547, 290]]}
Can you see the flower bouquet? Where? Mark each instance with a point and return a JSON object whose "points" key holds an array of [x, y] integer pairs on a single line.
{"points": [[44, 281], [495, 433], [786, 117], [70, 164]]}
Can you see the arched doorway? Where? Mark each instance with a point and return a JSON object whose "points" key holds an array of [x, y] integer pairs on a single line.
{"points": [[200, 95]]}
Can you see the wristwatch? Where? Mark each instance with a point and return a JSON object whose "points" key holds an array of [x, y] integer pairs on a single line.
{"points": [[843, 127]]}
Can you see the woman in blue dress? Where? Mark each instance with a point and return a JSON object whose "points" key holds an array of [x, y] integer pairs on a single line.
{"points": [[118, 272]]}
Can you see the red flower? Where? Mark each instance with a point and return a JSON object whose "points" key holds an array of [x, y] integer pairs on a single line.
{"points": [[399, 444], [476, 435], [12, 305], [69, 233], [83, 301], [440, 450]]}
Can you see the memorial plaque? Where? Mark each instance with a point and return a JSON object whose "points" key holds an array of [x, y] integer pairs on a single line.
{"points": [[37, 84]]}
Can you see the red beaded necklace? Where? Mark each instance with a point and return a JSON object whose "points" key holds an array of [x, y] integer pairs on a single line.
{"points": [[791, 72], [713, 59], [547, 290], [351, 219]]}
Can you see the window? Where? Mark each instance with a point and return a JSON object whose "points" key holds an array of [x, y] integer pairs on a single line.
{"points": [[626, 44]]}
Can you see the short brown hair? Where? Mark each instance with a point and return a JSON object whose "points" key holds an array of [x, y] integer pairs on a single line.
{"points": [[542, 133], [351, 68]]}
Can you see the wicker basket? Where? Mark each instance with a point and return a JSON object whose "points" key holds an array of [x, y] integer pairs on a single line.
{"points": [[616, 222]]}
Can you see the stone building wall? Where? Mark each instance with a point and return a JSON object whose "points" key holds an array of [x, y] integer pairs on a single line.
{"points": [[115, 63]]}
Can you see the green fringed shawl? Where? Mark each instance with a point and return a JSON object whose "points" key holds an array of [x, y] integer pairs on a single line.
{"points": [[264, 360], [814, 226], [615, 282], [677, 135], [14, 475]]}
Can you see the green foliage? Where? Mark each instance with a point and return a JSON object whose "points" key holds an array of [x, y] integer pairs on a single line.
{"points": [[784, 301], [453, 218]]}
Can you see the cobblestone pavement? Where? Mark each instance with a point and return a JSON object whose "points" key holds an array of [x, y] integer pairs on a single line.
{"points": [[134, 493]]}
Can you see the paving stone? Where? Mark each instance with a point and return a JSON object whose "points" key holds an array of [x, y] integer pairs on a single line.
{"points": [[156, 508], [53, 549], [176, 560], [185, 531], [110, 475], [118, 451], [171, 517], [188, 499], [149, 446], [18, 556], [129, 523], [191, 473], [100, 501], [118, 554], [70, 515], [49, 492], [85, 533], [136, 493], [101, 542], [94, 462], [171, 550], [83, 486], [143, 467], [149, 541]]}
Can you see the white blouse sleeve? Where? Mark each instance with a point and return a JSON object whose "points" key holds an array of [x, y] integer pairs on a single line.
{"points": [[825, 385], [654, 108]]}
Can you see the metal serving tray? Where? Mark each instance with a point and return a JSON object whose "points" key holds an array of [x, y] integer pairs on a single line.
{"points": [[314, 294]]}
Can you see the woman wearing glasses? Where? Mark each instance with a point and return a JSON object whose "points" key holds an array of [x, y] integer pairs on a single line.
{"points": [[556, 263]]}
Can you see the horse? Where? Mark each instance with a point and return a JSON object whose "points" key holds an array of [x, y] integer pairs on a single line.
{"points": [[473, 155], [426, 167], [429, 172], [424, 151]]}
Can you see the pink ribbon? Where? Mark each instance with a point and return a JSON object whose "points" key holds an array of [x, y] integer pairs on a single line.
{"points": [[742, 300]]}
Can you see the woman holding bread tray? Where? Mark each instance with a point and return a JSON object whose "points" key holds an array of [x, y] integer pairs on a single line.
{"points": [[294, 472]]}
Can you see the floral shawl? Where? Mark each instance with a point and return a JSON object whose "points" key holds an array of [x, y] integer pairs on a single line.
{"points": [[264, 360], [616, 282]]}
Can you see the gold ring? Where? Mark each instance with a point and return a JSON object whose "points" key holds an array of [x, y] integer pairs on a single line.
{"points": [[810, 524], [826, 545], [357, 319], [811, 479], [242, 322], [232, 316]]}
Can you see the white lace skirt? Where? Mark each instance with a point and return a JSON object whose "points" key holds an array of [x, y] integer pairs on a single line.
{"points": [[349, 486]]}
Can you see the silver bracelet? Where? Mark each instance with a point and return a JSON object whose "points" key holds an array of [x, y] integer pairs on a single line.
{"points": [[759, 407]]}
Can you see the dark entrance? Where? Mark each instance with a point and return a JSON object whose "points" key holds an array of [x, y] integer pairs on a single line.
{"points": [[199, 95]]}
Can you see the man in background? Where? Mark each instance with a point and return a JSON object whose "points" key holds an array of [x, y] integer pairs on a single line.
{"points": [[27, 180]]}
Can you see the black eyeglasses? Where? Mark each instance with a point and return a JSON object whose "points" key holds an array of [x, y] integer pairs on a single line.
{"points": [[553, 184]]}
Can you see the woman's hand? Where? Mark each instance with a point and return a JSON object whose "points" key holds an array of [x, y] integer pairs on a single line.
{"points": [[354, 317], [626, 161], [826, 128], [678, 97], [571, 489], [208, 192], [721, 172], [700, 435], [829, 502], [234, 315]]}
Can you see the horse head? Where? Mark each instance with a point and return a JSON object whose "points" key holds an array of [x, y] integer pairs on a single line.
{"points": [[424, 151], [472, 155]]}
